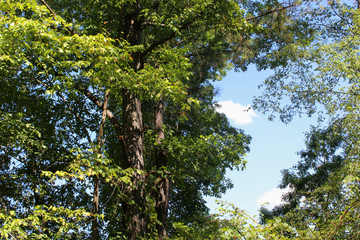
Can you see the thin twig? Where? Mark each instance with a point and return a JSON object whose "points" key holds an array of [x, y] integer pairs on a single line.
{"points": [[54, 15], [100, 105], [71, 110], [340, 219], [57, 93], [270, 12]]}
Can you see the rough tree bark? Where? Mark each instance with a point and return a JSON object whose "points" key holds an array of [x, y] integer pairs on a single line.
{"points": [[162, 183], [95, 231], [134, 216], [133, 139]]}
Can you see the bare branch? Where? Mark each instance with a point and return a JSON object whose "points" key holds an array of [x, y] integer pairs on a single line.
{"points": [[48, 7], [100, 140], [153, 24], [100, 105]]}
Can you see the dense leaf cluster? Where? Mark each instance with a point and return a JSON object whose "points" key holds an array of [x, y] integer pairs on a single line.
{"points": [[108, 124], [109, 129]]}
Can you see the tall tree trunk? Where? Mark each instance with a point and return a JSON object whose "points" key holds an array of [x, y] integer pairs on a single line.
{"points": [[95, 231], [133, 138], [134, 210], [162, 182]]}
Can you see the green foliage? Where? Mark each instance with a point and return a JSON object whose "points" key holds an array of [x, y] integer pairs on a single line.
{"points": [[233, 223], [46, 142], [322, 202], [73, 69], [40, 224], [320, 71], [317, 71], [310, 178], [321, 77]]}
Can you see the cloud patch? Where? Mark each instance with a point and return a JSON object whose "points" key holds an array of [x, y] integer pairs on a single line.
{"points": [[241, 115], [272, 198]]}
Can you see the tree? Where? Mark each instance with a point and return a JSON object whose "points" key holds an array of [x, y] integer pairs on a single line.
{"points": [[111, 114], [323, 157], [319, 198], [233, 223], [321, 77]]}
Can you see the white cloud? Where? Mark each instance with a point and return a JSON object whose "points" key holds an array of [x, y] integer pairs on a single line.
{"points": [[272, 197], [241, 115]]}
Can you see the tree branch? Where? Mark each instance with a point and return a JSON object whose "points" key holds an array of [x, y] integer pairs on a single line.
{"points": [[100, 105], [100, 140], [189, 22], [270, 12], [340, 220], [165, 39], [153, 24], [70, 108], [54, 15]]}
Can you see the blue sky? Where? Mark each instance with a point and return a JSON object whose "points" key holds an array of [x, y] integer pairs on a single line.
{"points": [[273, 147]]}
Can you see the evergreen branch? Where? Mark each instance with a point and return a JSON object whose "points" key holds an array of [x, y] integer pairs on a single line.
{"points": [[165, 39], [189, 22], [172, 35], [270, 12]]}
